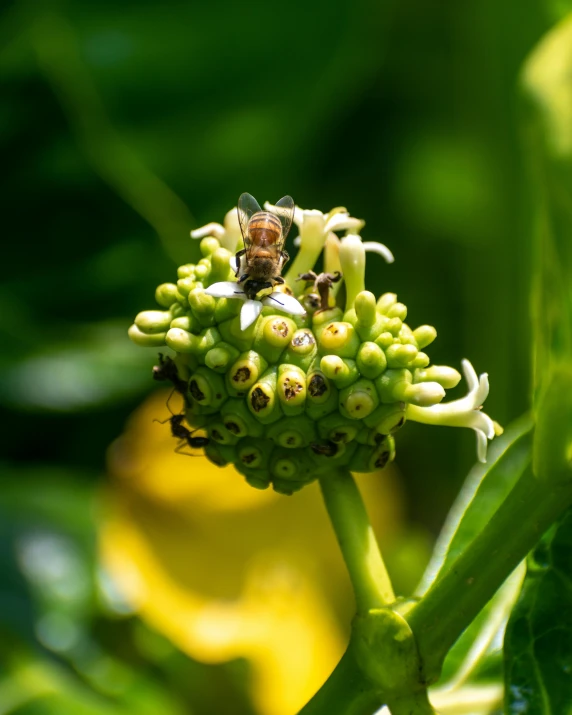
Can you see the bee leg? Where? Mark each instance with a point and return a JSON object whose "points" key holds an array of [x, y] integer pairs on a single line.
{"points": [[243, 277], [278, 279], [285, 258], [238, 256]]}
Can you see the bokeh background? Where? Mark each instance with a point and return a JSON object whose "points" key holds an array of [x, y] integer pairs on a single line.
{"points": [[123, 126]]}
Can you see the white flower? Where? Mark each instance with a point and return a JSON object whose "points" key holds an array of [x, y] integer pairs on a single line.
{"points": [[252, 308], [314, 226], [228, 235], [465, 412]]}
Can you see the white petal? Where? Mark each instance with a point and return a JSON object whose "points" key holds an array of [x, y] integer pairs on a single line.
{"points": [[225, 289], [481, 446], [211, 229], [375, 247], [470, 375], [343, 222], [282, 301], [249, 312]]}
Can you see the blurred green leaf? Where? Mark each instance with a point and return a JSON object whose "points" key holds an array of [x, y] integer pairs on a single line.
{"points": [[538, 642], [547, 92]]}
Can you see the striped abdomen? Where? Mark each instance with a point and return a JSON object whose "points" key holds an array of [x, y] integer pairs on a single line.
{"points": [[265, 231]]}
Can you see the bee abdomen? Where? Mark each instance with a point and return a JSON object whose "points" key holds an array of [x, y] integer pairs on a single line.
{"points": [[264, 228]]}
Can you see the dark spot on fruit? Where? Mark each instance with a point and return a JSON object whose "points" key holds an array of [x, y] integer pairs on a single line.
{"points": [[248, 458], [327, 450], [378, 439], [195, 391], [381, 461], [259, 399], [291, 440], [338, 437], [332, 329], [280, 328], [291, 388], [215, 434], [218, 395], [317, 386], [303, 339], [242, 374], [232, 427]]}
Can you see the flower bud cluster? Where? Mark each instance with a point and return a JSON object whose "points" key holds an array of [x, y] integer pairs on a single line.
{"points": [[291, 396]]}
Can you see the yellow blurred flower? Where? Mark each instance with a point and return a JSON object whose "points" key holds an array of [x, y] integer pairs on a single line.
{"points": [[226, 571]]}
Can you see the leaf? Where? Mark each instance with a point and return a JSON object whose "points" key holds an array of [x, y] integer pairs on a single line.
{"points": [[484, 490], [538, 641], [547, 93]]}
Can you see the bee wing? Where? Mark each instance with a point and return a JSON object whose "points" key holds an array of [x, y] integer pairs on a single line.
{"points": [[247, 206], [284, 209]]}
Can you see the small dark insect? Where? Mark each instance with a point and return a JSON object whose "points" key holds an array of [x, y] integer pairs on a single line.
{"points": [[327, 450], [264, 234], [184, 435], [166, 370], [322, 284]]}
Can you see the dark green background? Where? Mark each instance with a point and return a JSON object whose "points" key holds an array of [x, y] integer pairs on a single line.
{"points": [[123, 125]]}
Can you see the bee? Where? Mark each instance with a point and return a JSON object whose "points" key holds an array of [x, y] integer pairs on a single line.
{"points": [[264, 234], [184, 435]]}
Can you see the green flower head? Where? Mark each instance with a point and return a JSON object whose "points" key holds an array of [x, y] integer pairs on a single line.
{"points": [[314, 373]]}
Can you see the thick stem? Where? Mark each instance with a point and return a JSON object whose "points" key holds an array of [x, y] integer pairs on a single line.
{"points": [[346, 692], [454, 600], [368, 574], [416, 703]]}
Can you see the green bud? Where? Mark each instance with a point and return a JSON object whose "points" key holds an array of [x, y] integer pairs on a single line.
{"points": [[272, 336], [370, 360], [302, 349], [424, 394], [257, 478], [406, 336], [177, 310], [352, 260], [153, 321], [365, 308], [446, 376], [220, 266], [186, 285], [425, 335], [337, 428], [220, 357], [385, 302], [291, 389], [166, 294], [232, 333], [358, 400], [292, 432], [186, 322], [397, 310], [203, 306], [207, 388], [201, 271], [384, 340], [342, 371], [146, 340], [220, 454], [399, 355], [393, 326], [221, 434], [237, 419], [393, 384], [387, 418], [323, 317], [208, 245], [205, 341], [422, 360], [186, 271], [245, 372], [181, 341], [289, 470], [262, 401], [226, 308], [339, 338]]}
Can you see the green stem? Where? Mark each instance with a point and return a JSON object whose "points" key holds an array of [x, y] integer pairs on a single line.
{"points": [[416, 703], [454, 600], [368, 574], [346, 692]]}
